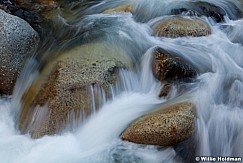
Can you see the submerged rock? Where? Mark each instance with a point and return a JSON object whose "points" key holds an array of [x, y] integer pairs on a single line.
{"points": [[233, 31], [167, 66], [165, 90], [63, 87], [200, 8], [122, 8], [18, 40], [210, 10], [167, 126], [177, 26]]}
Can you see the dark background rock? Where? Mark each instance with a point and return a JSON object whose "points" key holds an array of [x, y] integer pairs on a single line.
{"points": [[201, 8]]}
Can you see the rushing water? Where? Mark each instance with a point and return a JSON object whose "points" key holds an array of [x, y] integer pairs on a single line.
{"points": [[217, 91]]}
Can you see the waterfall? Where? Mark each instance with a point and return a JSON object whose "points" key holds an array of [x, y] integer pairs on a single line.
{"points": [[217, 91]]}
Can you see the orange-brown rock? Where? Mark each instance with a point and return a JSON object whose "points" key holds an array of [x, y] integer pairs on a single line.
{"points": [[62, 91], [167, 126], [178, 26], [122, 8]]}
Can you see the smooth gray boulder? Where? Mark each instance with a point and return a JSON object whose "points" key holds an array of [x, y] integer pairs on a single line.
{"points": [[17, 41]]}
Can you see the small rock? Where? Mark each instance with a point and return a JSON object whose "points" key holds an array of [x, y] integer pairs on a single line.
{"points": [[165, 90], [166, 127], [167, 66], [122, 8], [177, 26], [18, 40]]}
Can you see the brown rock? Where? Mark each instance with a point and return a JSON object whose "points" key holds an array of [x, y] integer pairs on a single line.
{"points": [[122, 8], [166, 127], [165, 90], [166, 66], [62, 89], [177, 26], [38, 6]]}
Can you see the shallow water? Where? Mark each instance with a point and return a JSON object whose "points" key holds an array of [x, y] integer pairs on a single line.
{"points": [[217, 91]]}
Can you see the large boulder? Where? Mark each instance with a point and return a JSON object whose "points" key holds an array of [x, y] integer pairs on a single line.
{"points": [[17, 41], [62, 91], [167, 126], [178, 26]]}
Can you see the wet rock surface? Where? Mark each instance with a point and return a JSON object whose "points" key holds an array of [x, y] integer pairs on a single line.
{"points": [[201, 8], [167, 66], [122, 8], [166, 127], [63, 86], [17, 41], [177, 26], [212, 10]]}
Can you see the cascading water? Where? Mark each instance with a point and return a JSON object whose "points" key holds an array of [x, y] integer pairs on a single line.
{"points": [[217, 91]]}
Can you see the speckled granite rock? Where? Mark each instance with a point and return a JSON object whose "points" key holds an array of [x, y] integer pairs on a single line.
{"points": [[169, 67], [122, 8], [17, 40], [166, 127], [178, 26], [63, 86]]}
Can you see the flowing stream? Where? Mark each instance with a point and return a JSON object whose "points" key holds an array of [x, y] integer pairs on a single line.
{"points": [[217, 91]]}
